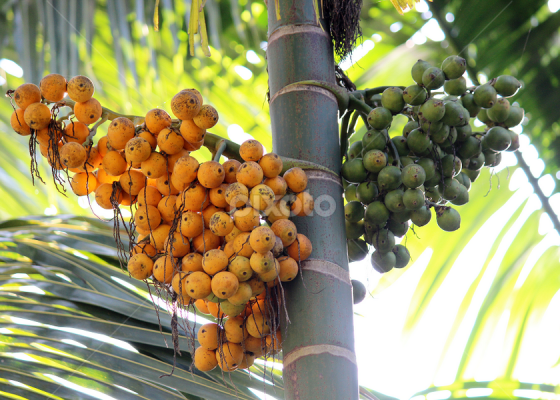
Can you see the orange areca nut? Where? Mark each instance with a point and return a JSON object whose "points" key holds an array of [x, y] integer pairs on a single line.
{"points": [[164, 269], [53, 87], [144, 248], [208, 212], [229, 356], [248, 361], [147, 217], [242, 296], [205, 360], [76, 132], [18, 123], [261, 197], [132, 182], [42, 135], [37, 116], [246, 219], [191, 224], [271, 275], [137, 150], [193, 146], [207, 117], [251, 150], [241, 267], [235, 330], [167, 207], [194, 198], [159, 235], [233, 234], [103, 195], [156, 120], [262, 263], [274, 342], [102, 145], [296, 179], [140, 266], [192, 262], [169, 141], [27, 94], [147, 136], [83, 184], [242, 246], [224, 284], [103, 177], [254, 345], [278, 186], [93, 160], [197, 93], [257, 286], [280, 210], [191, 132], [209, 335], [231, 167], [250, 174], [149, 195], [214, 261], [185, 105], [215, 309], [288, 269], [301, 248], [173, 158], [237, 195], [211, 174], [262, 239], [221, 224], [303, 205], [228, 249], [285, 230], [80, 88], [177, 245], [257, 325], [199, 285], [114, 164], [72, 155], [155, 166], [119, 132], [202, 306], [165, 186], [271, 165], [185, 171], [206, 241], [127, 199], [218, 196], [89, 111], [179, 284]]}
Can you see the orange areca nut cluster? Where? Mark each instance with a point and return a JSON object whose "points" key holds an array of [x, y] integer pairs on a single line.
{"points": [[222, 239], [214, 236]]}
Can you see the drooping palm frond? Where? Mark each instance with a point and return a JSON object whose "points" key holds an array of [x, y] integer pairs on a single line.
{"points": [[73, 325]]}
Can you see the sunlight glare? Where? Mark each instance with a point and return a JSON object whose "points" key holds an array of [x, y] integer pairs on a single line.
{"points": [[553, 5], [244, 72], [433, 31], [237, 134], [11, 67], [439, 395], [71, 385], [357, 54]]}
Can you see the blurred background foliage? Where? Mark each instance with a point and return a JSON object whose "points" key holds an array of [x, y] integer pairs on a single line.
{"points": [[479, 308]]}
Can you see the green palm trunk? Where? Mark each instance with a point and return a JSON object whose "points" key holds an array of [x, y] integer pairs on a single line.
{"points": [[319, 358]]}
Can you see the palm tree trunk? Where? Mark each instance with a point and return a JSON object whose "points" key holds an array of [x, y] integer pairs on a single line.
{"points": [[319, 358]]}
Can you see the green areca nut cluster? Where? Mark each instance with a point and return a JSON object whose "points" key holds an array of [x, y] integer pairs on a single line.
{"points": [[392, 181]]}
